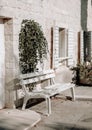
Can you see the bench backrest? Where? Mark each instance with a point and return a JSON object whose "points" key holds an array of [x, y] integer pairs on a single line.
{"points": [[36, 77]]}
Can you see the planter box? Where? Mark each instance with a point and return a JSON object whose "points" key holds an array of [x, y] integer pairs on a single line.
{"points": [[83, 74], [85, 77], [85, 82]]}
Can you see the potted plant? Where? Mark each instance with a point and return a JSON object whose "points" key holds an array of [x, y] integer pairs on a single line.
{"points": [[83, 75], [33, 46]]}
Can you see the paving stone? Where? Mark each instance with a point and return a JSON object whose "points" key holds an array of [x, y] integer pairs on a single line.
{"points": [[13, 119]]}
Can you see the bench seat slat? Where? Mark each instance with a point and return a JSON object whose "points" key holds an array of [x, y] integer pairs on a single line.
{"points": [[60, 85], [57, 88]]}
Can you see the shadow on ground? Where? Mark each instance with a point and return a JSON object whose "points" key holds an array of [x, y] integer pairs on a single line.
{"points": [[84, 123], [10, 124], [66, 126]]}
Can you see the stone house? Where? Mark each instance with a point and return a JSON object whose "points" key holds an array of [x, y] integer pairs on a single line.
{"points": [[61, 21]]}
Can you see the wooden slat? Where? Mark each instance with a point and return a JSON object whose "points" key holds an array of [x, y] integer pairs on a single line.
{"points": [[55, 46], [82, 46], [36, 79], [35, 74], [78, 47], [51, 56], [57, 88], [91, 46], [70, 46]]}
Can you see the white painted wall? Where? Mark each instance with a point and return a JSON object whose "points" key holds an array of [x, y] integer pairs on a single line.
{"points": [[48, 13], [2, 65]]}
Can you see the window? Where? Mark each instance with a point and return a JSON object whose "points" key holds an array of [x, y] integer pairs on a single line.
{"points": [[62, 47]]}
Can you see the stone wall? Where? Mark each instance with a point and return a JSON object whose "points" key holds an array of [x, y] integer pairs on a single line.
{"points": [[64, 13], [2, 65]]}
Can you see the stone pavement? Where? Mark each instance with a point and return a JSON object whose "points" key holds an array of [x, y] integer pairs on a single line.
{"points": [[66, 114], [13, 119]]}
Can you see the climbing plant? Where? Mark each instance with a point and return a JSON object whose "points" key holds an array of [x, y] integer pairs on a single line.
{"points": [[33, 46]]}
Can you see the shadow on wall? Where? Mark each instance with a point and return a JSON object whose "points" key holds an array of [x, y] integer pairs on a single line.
{"points": [[14, 90], [84, 5]]}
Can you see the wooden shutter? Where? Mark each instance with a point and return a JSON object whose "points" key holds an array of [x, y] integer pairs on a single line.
{"points": [[70, 47], [81, 46], [91, 46], [55, 47], [78, 56], [87, 45]]}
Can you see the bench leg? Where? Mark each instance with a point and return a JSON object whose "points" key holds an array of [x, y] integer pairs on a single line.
{"points": [[24, 103], [73, 93], [48, 104]]}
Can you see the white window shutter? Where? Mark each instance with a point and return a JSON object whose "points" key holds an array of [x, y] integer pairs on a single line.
{"points": [[56, 47], [82, 46], [70, 47]]}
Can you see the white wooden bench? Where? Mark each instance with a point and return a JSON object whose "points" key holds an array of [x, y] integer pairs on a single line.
{"points": [[46, 92]]}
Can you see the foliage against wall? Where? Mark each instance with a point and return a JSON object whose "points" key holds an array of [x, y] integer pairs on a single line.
{"points": [[33, 46]]}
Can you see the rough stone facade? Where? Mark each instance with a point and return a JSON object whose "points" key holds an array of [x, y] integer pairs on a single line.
{"points": [[48, 13], [89, 16], [86, 15]]}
